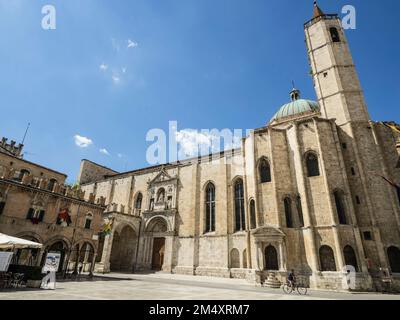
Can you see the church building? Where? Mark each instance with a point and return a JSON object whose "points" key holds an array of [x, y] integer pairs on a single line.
{"points": [[314, 190]]}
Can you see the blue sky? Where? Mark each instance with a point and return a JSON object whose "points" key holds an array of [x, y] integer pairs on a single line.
{"points": [[204, 63]]}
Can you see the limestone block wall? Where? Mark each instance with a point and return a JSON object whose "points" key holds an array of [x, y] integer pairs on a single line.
{"points": [[90, 172], [8, 162]]}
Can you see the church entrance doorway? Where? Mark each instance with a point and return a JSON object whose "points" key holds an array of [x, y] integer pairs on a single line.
{"points": [[158, 254]]}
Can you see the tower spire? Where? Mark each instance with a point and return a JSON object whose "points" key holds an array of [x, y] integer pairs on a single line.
{"points": [[317, 11]]}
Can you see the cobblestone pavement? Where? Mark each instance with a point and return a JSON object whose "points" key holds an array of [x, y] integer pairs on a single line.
{"points": [[172, 287]]}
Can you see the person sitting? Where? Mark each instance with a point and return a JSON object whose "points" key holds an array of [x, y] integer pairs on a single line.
{"points": [[292, 279]]}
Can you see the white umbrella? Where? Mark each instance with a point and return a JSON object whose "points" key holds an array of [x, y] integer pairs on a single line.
{"points": [[8, 242]]}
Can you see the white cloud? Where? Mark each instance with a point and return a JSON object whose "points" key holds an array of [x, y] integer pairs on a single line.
{"points": [[104, 151], [132, 44], [193, 143], [82, 142], [116, 79], [124, 70], [103, 67], [119, 155]]}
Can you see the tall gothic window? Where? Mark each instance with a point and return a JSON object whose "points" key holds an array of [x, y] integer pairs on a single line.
{"points": [[327, 259], [265, 171], [340, 209], [240, 222], [312, 165], [334, 34], [288, 212], [394, 259], [253, 222], [210, 208]]}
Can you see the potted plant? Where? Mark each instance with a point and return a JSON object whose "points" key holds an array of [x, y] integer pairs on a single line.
{"points": [[34, 277]]}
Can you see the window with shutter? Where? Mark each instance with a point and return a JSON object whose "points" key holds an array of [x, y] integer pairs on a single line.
{"points": [[30, 213], [41, 215]]}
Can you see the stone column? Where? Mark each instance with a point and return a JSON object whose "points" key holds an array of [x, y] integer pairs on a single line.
{"points": [[260, 256], [282, 257], [105, 257]]}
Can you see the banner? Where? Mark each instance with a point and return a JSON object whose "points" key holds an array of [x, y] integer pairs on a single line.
{"points": [[5, 259], [52, 262]]}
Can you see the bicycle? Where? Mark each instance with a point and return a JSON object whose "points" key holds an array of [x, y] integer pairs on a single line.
{"points": [[290, 288]]}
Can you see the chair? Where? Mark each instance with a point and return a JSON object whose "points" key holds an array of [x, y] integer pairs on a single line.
{"points": [[5, 280], [16, 280]]}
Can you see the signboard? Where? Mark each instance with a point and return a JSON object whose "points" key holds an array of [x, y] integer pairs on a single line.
{"points": [[52, 262], [5, 259]]}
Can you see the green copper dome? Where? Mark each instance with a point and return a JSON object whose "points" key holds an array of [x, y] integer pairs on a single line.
{"points": [[296, 107]]}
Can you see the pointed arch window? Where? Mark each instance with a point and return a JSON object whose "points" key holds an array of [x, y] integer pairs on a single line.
{"points": [[265, 171], [334, 34], [210, 208], [240, 223], [312, 165], [340, 208], [253, 221], [288, 212]]}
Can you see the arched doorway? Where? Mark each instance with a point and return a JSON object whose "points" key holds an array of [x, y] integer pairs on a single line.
{"points": [[350, 257], [271, 258], [123, 250], [394, 259], [235, 260], [327, 259], [157, 227]]}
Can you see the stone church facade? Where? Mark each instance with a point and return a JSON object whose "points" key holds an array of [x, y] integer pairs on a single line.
{"points": [[304, 192]]}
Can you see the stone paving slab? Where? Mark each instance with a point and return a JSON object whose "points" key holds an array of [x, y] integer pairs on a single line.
{"points": [[171, 287]]}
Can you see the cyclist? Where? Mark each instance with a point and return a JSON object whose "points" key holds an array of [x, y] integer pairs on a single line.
{"points": [[292, 279]]}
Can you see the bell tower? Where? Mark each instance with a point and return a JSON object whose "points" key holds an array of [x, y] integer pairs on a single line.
{"points": [[335, 78]]}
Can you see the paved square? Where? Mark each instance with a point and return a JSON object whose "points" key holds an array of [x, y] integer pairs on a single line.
{"points": [[161, 286]]}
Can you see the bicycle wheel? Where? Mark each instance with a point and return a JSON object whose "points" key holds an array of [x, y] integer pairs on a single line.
{"points": [[287, 289], [302, 291]]}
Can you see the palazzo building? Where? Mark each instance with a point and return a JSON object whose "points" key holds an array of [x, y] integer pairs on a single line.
{"points": [[306, 192], [37, 205]]}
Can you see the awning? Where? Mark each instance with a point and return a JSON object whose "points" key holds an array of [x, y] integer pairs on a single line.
{"points": [[8, 242]]}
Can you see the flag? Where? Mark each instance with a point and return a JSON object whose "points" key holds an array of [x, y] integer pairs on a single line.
{"points": [[392, 125]]}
